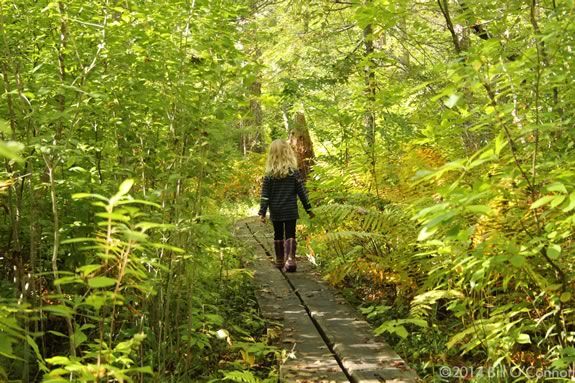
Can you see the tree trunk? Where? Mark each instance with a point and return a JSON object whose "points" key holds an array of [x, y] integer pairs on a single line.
{"points": [[301, 142], [257, 143], [444, 7], [369, 116], [369, 121]]}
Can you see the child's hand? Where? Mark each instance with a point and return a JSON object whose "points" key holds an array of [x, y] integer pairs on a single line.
{"points": [[263, 218]]}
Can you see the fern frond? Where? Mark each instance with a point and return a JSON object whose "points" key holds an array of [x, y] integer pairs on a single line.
{"points": [[341, 236], [422, 304], [240, 376], [369, 220]]}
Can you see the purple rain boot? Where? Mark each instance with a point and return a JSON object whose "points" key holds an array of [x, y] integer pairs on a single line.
{"points": [[289, 247], [279, 250]]}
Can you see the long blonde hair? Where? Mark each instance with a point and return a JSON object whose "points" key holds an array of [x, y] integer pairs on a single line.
{"points": [[281, 159]]}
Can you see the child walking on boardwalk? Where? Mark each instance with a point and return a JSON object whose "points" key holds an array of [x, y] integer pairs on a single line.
{"points": [[282, 184]]}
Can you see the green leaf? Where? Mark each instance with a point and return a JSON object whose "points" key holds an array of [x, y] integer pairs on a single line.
{"points": [[89, 195], [79, 336], [144, 370], [571, 205], [240, 376], [500, 142], [153, 225], [565, 297], [136, 236], [39, 356], [138, 202], [542, 201], [401, 331], [523, 338], [6, 345], [114, 216], [57, 333], [99, 282], [452, 100], [425, 233], [60, 310], [517, 260], [553, 251], [557, 187], [167, 247], [61, 360], [78, 240], [558, 200], [68, 280], [88, 269], [483, 209], [124, 347], [10, 150], [125, 187], [95, 300], [222, 334]]}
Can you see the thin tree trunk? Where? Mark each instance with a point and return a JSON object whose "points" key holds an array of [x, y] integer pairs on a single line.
{"points": [[370, 89], [444, 7], [370, 93], [256, 117], [56, 247]]}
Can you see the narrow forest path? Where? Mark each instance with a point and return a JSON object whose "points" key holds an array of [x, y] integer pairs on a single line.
{"points": [[327, 339]]}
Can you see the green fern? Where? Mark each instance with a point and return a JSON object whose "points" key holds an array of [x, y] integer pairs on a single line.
{"points": [[368, 220], [369, 244], [241, 376], [341, 236], [422, 304]]}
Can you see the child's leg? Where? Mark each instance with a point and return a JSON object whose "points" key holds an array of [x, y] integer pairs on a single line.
{"points": [[278, 230], [290, 229], [279, 243]]}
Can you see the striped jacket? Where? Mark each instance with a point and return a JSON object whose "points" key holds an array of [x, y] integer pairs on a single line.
{"points": [[280, 195]]}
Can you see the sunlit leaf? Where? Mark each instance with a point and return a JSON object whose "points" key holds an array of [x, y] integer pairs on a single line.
{"points": [[100, 282], [553, 251], [125, 187], [542, 201]]}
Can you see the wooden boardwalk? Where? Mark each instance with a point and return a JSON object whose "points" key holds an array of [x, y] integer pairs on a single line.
{"points": [[328, 340]]}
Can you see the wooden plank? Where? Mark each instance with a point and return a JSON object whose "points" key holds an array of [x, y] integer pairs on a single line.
{"points": [[263, 233], [312, 360], [365, 358]]}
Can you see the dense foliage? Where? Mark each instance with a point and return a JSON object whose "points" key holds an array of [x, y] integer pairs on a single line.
{"points": [[444, 174], [101, 283], [131, 131]]}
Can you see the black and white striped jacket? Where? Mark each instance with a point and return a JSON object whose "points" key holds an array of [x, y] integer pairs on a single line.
{"points": [[280, 195]]}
